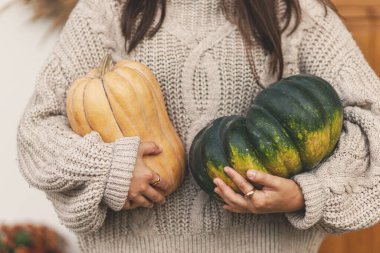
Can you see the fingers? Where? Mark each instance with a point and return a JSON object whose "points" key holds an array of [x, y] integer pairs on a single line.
{"points": [[240, 181], [149, 148], [151, 177], [143, 201], [277, 195], [129, 204], [230, 196], [263, 178], [162, 184], [146, 187], [154, 196], [141, 193], [235, 210]]}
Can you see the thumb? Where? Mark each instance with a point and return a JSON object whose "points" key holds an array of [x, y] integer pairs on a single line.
{"points": [[262, 178], [149, 148]]}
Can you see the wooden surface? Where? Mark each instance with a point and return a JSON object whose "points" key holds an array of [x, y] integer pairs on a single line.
{"points": [[364, 241], [363, 20]]}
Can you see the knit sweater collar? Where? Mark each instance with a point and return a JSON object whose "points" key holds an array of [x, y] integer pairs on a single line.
{"points": [[203, 6], [197, 15]]}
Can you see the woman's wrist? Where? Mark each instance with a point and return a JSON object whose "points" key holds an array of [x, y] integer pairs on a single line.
{"points": [[298, 200]]}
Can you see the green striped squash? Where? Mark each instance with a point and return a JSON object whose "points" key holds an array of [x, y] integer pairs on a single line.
{"points": [[290, 127]]}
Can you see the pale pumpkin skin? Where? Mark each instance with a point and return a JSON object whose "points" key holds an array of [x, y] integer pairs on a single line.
{"points": [[126, 100]]}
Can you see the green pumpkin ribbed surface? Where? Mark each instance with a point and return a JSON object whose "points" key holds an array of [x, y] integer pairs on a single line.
{"points": [[272, 143], [291, 127]]}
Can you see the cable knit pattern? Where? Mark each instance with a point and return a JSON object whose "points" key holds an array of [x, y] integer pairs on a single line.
{"points": [[200, 62]]}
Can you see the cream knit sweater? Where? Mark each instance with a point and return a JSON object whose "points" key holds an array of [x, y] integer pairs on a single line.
{"points": [[199, 60]]}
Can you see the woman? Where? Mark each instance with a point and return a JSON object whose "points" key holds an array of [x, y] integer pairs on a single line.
{"points": [[211, 59]]}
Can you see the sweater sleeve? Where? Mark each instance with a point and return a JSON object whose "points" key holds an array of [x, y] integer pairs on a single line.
{"points": [[343, 193], [82, 176]]}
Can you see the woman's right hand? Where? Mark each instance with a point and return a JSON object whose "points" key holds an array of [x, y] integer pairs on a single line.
{"points": [[141, 193]]}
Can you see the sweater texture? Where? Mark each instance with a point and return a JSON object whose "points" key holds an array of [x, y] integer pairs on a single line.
{"points": [[199, 60]]}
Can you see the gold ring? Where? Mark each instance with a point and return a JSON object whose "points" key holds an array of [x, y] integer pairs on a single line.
{"points": [[157, 181], [249, 194]]}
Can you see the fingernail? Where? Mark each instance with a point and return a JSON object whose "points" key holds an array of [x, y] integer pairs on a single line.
{"points": [[227, 169], [216, 181], [251, 174]]}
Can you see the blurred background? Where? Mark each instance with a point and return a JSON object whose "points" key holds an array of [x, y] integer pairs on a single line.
{"points": [[24, 46]]}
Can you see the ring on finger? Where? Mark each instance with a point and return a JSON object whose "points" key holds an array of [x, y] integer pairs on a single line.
{"points": [[250, 194], [157, 181]]}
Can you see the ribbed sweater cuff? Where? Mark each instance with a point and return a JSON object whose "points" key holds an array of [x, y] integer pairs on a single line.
{"points": [[315, 196], [121, 172]]}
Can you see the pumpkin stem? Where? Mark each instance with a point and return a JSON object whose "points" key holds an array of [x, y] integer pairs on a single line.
{"points": [[105, 64]]}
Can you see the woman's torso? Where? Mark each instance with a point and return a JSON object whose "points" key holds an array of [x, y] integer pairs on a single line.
{"points": [[200, 61]]}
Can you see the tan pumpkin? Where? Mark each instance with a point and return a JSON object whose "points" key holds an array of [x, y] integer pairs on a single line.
{"points": [[126, 100]]}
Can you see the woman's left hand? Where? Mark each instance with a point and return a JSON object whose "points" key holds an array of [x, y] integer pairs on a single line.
{"points": [[277, 195]]}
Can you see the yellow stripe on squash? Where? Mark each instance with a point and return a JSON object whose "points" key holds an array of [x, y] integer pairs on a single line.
{"points": [[126, 100]]}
